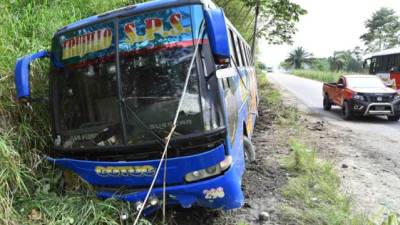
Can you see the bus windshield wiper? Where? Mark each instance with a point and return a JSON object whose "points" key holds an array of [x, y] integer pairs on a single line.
{"points": [[159, 139]]}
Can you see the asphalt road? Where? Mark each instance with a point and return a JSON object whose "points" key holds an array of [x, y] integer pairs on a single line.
{"points": [[367, 148], [309, 92]]}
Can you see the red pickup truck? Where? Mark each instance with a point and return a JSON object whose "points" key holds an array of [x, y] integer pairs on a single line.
{"points": [[362, 95]]}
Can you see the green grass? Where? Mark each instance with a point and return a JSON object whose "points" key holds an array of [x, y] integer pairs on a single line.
{"points": [[324, 76], [29, 191], [314, 195], [315, 191], [272, 99]]}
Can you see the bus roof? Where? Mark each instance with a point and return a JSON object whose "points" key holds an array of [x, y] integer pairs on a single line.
{"points": [[132, 9], [139, 8], [391, 51]]}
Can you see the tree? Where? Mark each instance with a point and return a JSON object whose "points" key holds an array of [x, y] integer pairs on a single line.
{"points": [[261, 65], [298, 57], [285, 65], [321, 64], [383, 30], [277, 18], [346, 61], [338, 61]]}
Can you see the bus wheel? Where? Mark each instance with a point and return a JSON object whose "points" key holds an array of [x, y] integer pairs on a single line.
{"points": [[249, 150]]}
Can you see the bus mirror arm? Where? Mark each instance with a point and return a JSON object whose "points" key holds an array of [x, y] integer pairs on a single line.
{"points": [[218, 35], [22, 73]]}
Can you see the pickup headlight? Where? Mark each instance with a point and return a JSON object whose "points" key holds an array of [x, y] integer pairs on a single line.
{"points": [[396, 97], [359, 97], [210, 171]]}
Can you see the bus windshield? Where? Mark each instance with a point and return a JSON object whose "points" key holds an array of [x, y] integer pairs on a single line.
{"points": [[126, 91]]}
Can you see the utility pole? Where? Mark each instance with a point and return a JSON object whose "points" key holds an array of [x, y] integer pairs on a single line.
{"points": [[253, 45]]}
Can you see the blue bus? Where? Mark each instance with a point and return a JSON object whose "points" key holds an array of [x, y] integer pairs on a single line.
{"points": [[116, 81]]}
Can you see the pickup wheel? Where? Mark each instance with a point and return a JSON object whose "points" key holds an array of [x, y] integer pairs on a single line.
{"points": [[346, 111], [394, 118], [327, 103]]}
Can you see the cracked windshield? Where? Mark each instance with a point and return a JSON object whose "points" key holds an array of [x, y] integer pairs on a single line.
{"points": [[153, 69]]}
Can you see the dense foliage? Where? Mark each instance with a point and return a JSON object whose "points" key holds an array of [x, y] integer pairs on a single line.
{"points": [[348, 61], [383, 30], [277, 18], [298, 58]]}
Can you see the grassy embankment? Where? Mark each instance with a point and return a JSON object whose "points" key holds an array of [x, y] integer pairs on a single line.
{"points": [[29, 192], [313, 194], [324, 76], [29, 187]]}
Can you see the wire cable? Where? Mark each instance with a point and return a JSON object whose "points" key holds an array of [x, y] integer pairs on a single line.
{"points": [[168, 139]]}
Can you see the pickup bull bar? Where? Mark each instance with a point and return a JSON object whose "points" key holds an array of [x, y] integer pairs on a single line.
{"points": [[390, 112]]}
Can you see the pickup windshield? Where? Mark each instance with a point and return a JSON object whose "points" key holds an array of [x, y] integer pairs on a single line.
{"points": [[363, 82], [99, 102]]}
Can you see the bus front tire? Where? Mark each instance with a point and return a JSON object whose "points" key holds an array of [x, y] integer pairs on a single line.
{"points": [[249, 150]]}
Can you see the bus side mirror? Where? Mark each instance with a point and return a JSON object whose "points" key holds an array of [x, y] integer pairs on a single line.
{"points": [[218, 35], [22, 73]]}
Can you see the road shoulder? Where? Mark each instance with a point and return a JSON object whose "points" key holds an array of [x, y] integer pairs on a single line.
{"points": [[366, 162]]}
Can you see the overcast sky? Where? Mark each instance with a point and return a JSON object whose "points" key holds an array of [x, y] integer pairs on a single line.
{"points": [[330, 25]]}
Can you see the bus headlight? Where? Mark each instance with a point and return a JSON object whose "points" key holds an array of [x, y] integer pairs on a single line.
{"points": [[210, 171]]}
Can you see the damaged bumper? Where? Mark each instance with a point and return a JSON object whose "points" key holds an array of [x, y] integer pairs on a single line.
{"points": [[221, 192], [129, 181]]}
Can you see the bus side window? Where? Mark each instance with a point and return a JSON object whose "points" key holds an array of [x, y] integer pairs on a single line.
{"points": [[232, 84], [243, 56], [249, 54], [392, 62], [207, 59], [240, 48], [239, 55], [225, 84], [385, 64], [233, 47], [246, 54], [397, 63], [372, 67], [251, 57], [228, 83]]}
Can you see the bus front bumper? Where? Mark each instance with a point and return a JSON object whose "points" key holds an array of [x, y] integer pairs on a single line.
{"points": [[220, 192]]}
